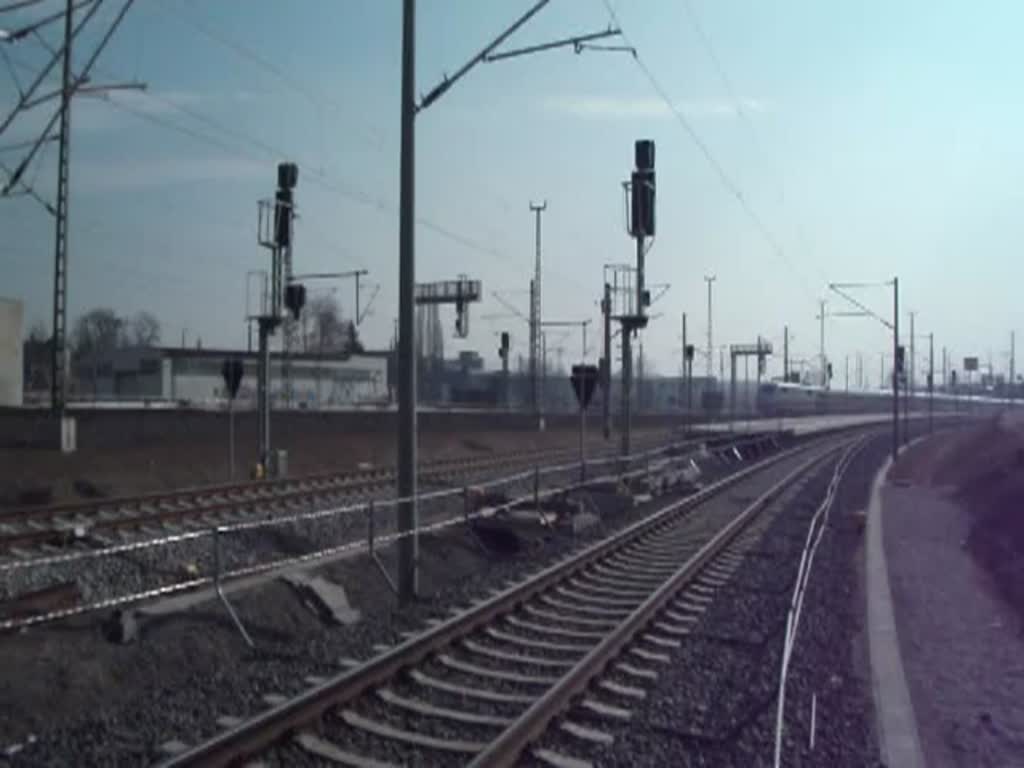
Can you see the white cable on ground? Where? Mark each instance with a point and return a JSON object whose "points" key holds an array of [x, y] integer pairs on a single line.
{"points": [[815, 531]]}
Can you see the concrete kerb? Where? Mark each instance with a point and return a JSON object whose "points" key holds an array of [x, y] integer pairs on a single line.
{"points": [[899, 741]]}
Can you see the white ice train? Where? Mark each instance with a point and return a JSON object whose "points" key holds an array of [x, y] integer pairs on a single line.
{"points": [[779, 399], [782, 399]]}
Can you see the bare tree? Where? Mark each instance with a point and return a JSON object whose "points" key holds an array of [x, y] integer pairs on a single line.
{"points": [[38, 333], [143, 329], [98, 331], [328, 330], [36, 358], [320, 329]]}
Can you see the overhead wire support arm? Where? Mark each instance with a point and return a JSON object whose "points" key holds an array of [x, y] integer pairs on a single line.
{"points": [[441, 88], [16, 177], [85, 90], [864, 311], [18, 34], [27, 190], [18, 4], [509, 306], [576, 41], [57, 55], [607, 48], [487, 54]]}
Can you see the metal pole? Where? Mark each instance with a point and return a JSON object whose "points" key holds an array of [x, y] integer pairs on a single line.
{"points": [[911, 377], [847, 362], [408, 544], [931, 380], [543, 374], [682, 380], [640, 379], [709, 281], [536, 312], [821, 341], [583, 458], [606, 308], [732, 389], [220, 590], [689, 392], [263, 392], [627, 375], [505, 399], [534, 344], [895, 382], [58, 383], [1013, 350], [908, 384], [785, 353], [231, 436]]}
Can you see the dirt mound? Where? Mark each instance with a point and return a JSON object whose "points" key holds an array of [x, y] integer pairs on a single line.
{"points": [[987, 469]]}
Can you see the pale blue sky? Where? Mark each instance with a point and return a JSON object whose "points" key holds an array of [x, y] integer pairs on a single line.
{"points": [[881, 138]]}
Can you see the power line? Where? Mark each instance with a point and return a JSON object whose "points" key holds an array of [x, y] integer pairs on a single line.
{"points": [[731, 186], [313, 175], [315, 98], [370, 135], [742, 113]]}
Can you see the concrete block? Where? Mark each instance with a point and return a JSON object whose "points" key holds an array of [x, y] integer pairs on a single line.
{"points": [[122, 627], [328, 597], [583, 520]]}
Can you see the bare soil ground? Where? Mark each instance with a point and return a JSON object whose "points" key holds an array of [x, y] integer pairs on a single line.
{"points": [[37, 477], [954, 539], [983, 469]]}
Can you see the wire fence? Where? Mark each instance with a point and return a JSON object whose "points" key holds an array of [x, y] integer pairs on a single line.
{"points": [[216, 552]]}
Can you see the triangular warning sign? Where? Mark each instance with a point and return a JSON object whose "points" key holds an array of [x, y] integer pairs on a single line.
{"points": [[584, 380]]}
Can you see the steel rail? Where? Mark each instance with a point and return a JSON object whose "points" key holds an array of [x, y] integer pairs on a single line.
{"points": [[201, 502], [57, 532], [262, 731], [270, 486], [508, 747]]}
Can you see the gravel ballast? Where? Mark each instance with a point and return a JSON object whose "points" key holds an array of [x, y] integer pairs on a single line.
{"points": [[714, 704], [116, 704]]}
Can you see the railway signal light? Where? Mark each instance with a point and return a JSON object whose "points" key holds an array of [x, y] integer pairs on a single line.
{"points": [[503, 349], [295, 298], [900, 354], [287, 178], [642, 189], [690, 352]]}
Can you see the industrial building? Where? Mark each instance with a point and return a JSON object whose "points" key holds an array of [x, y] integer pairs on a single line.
{"points": [[11, 370], [192, 377]]}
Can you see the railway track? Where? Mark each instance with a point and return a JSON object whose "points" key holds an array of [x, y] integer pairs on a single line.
{"points": [[32, 532], [570, 648]]}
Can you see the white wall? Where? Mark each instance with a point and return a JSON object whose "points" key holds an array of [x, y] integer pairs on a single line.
{"points": [[11, 370], [330, 383]]}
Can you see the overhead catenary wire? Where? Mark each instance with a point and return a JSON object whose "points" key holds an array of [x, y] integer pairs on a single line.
{"points": [[319, 100], [740, 106], [724, 178], [217, 128]]}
